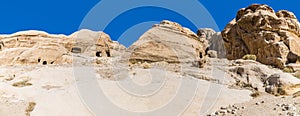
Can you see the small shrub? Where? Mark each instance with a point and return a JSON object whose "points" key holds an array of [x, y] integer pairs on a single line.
{"points": [[249, 57], [21, 84], [288, 70], [98, 61], [281, 91], [255, 94], [132, 61], [9, 79], [146, 65], [30, 108], [247, 85]]}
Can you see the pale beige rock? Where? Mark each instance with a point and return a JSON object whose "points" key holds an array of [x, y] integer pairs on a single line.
{"points": [[96, 44], [56, 89], [212, 54], [33, 47], [36, 47], [249, 73], [169, 42], [272, 37], [205, 33], [216, 43]]}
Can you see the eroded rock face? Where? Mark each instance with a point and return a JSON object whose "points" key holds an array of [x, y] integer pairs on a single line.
{"points": [[33, 47], [169, 42], [205, 33], [272, 37], [216, 43], [95, 44], [36, 47]]}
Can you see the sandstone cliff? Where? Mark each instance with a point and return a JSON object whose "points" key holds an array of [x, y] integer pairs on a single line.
{"points": [[169, 42], [272, 36], [36, 47]]}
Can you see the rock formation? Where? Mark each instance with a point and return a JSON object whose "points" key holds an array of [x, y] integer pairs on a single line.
{"points": [[33, 47], [163, 63], [249, 73], [206, 33], [258, 30], [169, 42], [95, 44], [215, 41], [36, 47]]}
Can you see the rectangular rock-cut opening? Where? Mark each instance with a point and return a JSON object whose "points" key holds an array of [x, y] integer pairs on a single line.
{"points": [[107, 53], [201, 55], [76, 50]]}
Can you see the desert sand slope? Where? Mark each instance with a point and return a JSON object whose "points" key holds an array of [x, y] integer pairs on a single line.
{"points": [[52, 89]]}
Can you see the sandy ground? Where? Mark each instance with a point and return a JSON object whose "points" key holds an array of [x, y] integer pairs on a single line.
{"points": [[55, 91], [83, 91], [265, 105]]}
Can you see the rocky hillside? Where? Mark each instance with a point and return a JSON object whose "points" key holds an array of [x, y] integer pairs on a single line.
{"points": [[36, 47], [234, 72], [258, 30]]}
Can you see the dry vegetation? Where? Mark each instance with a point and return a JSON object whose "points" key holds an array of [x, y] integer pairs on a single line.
{"points": [[146, 65], [249, 57], [288, 70], [23, 83], [30, 108], [255, 94], [49, 87], [281, 91]]}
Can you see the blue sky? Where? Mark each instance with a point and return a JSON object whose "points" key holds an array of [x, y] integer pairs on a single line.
{"points": [[65, 16]]}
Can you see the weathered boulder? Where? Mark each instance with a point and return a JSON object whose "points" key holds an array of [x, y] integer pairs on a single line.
{"points": [[169, 42], [212, 54], [272, 37], [281, 84], [249, 73], [274, 80]]}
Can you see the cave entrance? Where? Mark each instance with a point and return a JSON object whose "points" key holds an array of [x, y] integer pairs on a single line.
{"points": [[99, 54], [201, 55], [44, 62], [206, 50], [107, 53], [76, 50]]}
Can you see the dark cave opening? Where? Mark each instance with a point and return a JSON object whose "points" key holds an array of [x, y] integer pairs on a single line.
{"points": [[44, 62], [99, 54]]}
